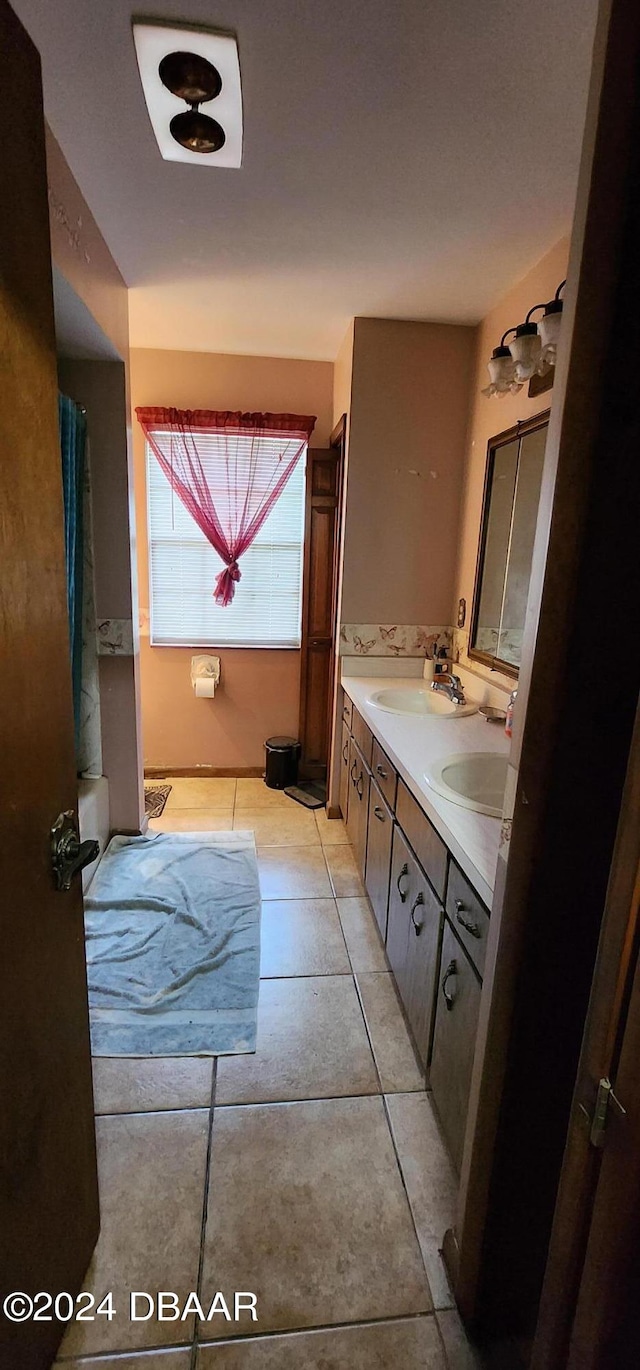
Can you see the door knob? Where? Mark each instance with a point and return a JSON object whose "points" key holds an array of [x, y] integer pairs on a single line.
{"points": [[68, 854]]}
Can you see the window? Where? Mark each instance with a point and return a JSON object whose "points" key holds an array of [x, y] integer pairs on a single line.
{"points": [[267, 608]]}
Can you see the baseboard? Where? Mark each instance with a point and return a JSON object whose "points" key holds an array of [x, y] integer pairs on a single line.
{"points": [[334, 811], [205, 772]]}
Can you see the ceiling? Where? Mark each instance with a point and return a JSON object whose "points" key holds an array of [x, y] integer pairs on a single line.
{"points": [[405, 160]]}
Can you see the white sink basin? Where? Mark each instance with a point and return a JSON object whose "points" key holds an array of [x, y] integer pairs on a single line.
{"points": [[474, 780], [420, 700]]}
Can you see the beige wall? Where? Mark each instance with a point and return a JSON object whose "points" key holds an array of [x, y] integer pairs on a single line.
{"points": [[408, 420], [489, 417], [259, 693]]}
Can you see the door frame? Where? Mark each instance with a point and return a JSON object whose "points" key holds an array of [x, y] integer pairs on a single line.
{"points": [[311, 769], [572, 731]]}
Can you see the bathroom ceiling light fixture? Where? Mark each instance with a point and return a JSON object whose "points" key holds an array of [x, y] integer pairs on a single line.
{"points": [[183, 65], [532, 350]]}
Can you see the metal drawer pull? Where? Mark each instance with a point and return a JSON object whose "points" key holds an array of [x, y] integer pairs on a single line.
{"points": [[468, 923], [379, 813], [381, 772], [345, 753], [449, 999], [360, 785], [403, 893], [354, 769], [419, 899]]}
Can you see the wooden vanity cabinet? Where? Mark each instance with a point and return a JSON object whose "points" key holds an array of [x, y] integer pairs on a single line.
{"points": [[358, 805], [379, 835], [345, 784], [454, 1040], [413, 940], [363, 736], [436, 953], [427, 844], [468, 916], [384, 774]]}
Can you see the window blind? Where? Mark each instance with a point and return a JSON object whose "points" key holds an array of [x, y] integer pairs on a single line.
{"points": [[267, 608]]}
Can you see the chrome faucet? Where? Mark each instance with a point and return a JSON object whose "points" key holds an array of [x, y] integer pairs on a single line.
{"points": [[451, 687]]}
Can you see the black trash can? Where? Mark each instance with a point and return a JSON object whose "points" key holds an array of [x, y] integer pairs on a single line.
{"points": [[283, 754]]}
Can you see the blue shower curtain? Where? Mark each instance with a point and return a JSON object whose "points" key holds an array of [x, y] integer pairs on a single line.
{"points": [[73, 437]]}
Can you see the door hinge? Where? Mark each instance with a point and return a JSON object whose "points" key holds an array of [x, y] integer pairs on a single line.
{"points": [[598, 1121]]}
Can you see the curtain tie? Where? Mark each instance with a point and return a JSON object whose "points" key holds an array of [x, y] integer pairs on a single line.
{"points": [[226, 582]]}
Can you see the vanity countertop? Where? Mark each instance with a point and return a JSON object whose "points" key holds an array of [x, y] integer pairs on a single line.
{"points": [[413, 744]]}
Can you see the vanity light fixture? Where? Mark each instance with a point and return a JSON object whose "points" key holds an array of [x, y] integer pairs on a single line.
{"points": [[179, 66], [532, 350]]}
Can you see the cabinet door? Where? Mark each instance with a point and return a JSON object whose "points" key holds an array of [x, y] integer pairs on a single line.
{"points": [[344, 773], [358, 811], [402, 892], [379, 835], [454, 1040], [413, 940], [426, 917]]}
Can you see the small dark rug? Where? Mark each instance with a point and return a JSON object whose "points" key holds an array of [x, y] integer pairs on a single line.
{"points": [[155, 798], [311, 793]]}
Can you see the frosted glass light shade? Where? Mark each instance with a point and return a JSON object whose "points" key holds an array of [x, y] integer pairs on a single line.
{"points": [[549, 328], [525, 350]]}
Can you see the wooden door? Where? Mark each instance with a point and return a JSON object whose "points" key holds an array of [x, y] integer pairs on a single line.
{"points": [[344, 774], [378, 869], [589, 1311], [319, 600], [48, 1187], [454, 1041]]}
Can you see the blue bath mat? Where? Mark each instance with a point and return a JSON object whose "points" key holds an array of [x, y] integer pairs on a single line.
{"points": [[172, 925]]}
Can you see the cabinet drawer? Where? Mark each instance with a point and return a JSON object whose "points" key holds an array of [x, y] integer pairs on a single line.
{"points": [[379, 835], [347, 710], [428, 847], [468, 916], [344, 773], [358, 807], [454, 1040], [413, 939], [384, 774], [362, 735]]}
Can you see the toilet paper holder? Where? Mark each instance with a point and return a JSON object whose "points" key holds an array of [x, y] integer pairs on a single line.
{"points": [[205, 675]]}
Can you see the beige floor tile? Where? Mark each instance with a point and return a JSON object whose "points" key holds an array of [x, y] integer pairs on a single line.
{"points": [[151, 1168], [395, 1058], [461, 1355], [279, 827], [345, 877], [363, 940], [148, 1084], [193, 820], [407, 1344], [293, 873], [201, 792], [332, 830], [146, 1360], [252, 793], [308, 1211], [302, 937], [312, 1044], [430, 1182]]}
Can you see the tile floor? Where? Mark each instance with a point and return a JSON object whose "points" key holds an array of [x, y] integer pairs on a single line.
{"points": [[311, 1174]]}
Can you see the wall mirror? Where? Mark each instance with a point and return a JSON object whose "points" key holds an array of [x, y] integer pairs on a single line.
{"points": [[510, 511]]}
